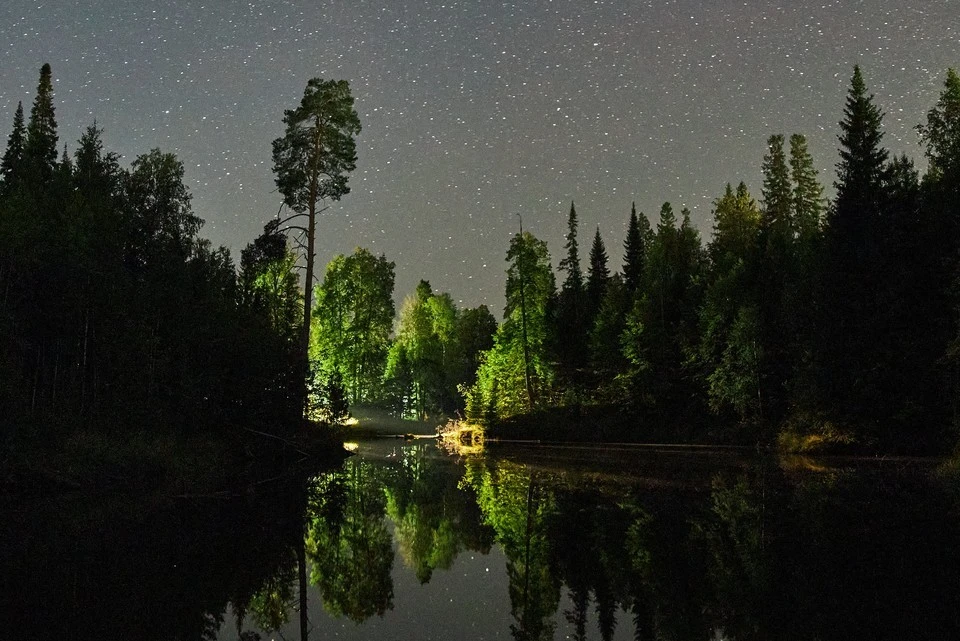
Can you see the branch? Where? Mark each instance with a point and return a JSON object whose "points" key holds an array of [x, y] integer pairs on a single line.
{"points": [[296, 227], [289, 218]]}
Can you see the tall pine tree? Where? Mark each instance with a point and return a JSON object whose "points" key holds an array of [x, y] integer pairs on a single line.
{"points": [[775, 225], [598, 274], [11, 164], [571, 263], [570, 331], [635, 249], [853, 326], [40, 149], [860, 178], [808, 201]]}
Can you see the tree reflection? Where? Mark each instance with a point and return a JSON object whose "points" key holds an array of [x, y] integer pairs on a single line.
{"points": [[270, 607], [434, 519], [519, 508], [732, 537], [348, 543]]}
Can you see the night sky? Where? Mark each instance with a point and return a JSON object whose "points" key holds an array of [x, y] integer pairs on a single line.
{"points": [[476, 111]]}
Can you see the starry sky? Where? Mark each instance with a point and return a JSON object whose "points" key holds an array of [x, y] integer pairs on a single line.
{"points": [[476, 111]]}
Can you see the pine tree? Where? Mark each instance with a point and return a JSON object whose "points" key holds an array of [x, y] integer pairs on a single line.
{"points": [[808, 201], [860, 174], [635, 249], [41, 145], [312, 162], [775, 224], [569, 335], [571, 264], [10, 165], [852, 330], [598, 275], [941, 134]]}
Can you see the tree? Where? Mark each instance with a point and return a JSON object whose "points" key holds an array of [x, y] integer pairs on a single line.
{"points": [[312, 161], [162, 220], [635, 248], [354, 315], [808, 202], [850, 327], [571, 263], [570, 331], [776, 224], [598, 275], [40, 150], [941, 134], [10, 165], [736, 225], [860, 177], [421, 361], [516, 370]]}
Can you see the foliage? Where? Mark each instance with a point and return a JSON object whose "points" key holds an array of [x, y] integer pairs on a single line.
{"points": [[349, 545], [422, 362], [353, 318], [317, 151], [312, 162], [570, 336], [517, 371], [115, 312]]}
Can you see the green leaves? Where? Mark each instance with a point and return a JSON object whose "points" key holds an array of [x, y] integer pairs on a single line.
{"points": [[353, 318], [317, 151]]}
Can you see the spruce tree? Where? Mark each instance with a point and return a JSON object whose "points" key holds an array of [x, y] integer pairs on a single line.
{"points": [[860, 173], [598, 275], [854, 311], [41, 145], [768, 322], [569, 333], [571, 264], [635, 249], [941, 134], [808, 201], [775, 225], [10, 165]]}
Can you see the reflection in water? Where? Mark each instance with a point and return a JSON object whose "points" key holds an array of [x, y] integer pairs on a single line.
{"points": [[657, 546], [349, 544], [520, 509]]}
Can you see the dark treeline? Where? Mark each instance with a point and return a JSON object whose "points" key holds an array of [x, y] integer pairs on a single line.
{"points": [[114, 313], [801, 320]]}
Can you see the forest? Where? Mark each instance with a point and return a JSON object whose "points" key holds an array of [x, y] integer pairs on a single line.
{"points": [[802, 321]]}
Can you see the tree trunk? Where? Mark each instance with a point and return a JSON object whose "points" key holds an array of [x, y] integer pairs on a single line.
{"points": [[302, 572]]}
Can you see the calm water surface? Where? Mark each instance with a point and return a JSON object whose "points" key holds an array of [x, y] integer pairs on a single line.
{"points": [[406, 541]]}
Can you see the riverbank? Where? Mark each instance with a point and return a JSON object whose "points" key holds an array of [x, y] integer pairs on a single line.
{"points": [[618, 424], [158, 461]]}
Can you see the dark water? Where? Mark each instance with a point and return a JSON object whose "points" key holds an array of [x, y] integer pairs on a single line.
{"points": [[407, 542]]}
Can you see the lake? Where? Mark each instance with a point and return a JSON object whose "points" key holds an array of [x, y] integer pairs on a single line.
{"points": [[408, 541]]}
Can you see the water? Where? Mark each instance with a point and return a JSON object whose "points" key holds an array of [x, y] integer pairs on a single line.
{"points": [[408, 542]]}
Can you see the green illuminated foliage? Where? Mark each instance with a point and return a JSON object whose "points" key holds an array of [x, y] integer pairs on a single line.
{"points": [[353, 318], [516, 371]]}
